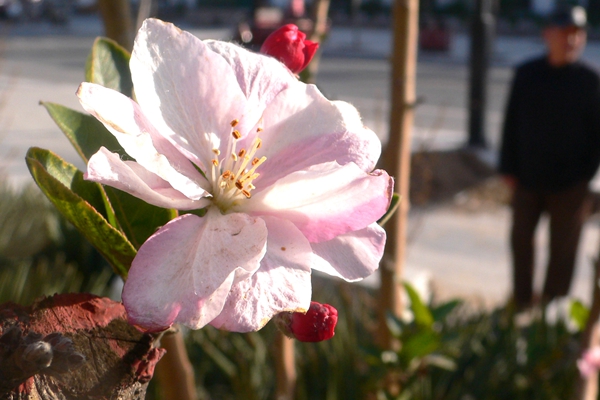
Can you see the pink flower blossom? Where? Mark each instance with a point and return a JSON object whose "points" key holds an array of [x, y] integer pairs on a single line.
{"points": [[285, 175], [589, 363], [289, 45], [316, 325]]}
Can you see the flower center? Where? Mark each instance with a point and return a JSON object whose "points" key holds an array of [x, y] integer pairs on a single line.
{"points": [[233, 174]]}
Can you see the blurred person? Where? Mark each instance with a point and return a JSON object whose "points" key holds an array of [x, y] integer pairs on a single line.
{"points": [[550, 152]]}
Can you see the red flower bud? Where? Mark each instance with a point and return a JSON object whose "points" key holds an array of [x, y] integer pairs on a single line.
{"points": [[289, 45], [316, 325]]}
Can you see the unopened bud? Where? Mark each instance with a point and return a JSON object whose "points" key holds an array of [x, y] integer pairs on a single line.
{"points": [[289, 45], [316, 325]]}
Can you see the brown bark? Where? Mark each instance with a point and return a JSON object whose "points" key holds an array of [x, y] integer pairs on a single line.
{"points": [[74, 346], [118, 23], [175, 372], [285, 367], [396, 156]]}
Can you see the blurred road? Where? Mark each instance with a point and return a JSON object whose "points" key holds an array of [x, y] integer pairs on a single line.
{"points": [[464, 253]]}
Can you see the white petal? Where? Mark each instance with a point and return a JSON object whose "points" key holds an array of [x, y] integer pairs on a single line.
{"points": [[352, 256], [261, 78], [326, 200], [189, 93], [108, 168], [140, 139], [184, 272], [281, 284], [303, 128]]}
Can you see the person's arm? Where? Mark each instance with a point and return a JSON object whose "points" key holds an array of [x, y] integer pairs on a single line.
{"points": [[593, 125], [508, 163]]}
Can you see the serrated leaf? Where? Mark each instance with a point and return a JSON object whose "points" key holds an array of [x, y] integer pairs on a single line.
{"points": [[84, 131], [394, 203], [108, 65], [63, 184], [420, 311]]}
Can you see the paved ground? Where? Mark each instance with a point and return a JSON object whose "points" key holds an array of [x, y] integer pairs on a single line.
{"points": [[463, 252]]}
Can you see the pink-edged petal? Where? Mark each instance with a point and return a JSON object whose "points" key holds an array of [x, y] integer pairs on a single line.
{"points": [[352, 256], [108, 168], [190, 93], [261, 78], [228, 242], [184, 272], [126, 121], [326, 200], [303, 128], [281, 284]]}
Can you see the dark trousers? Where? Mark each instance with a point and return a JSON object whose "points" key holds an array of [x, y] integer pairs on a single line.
{"points": [[567, 210]]}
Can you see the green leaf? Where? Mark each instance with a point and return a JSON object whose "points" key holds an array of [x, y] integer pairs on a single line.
{"points": [[108, 65], [440, 312], [84, 131], [391, 210], [63, 184], [419, 345], [138, 219], [421, 312], [579, 314]]}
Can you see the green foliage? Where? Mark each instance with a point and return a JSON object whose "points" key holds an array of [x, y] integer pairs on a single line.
{"points": [[63, 184], [480, 355], [115, 222], [579, 314], [85, 132], [108, 65], [394, 203], [40, 253]]}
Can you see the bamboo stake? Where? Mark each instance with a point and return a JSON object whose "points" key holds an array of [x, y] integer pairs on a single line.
{"points": [[396, 155]]}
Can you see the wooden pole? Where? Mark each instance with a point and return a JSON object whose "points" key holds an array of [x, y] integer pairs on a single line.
{"points": [[118, 23], [285, 367], [396, 155]]}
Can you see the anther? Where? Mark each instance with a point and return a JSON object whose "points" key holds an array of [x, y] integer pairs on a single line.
{"points": [[259, 129], [236, 134], [258, 143], [239, 185], [246, 193], [255, 161], [234, 156], [215, 162], [226, 174], [217, 152], [242, 153], [234, 123]]}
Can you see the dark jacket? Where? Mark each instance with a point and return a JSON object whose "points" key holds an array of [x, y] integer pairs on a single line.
{"points": [[551, 135]]}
